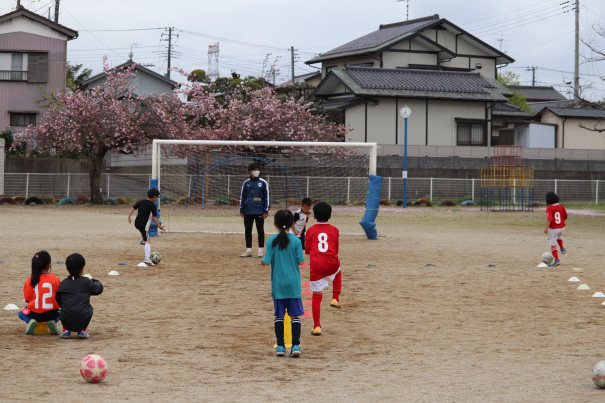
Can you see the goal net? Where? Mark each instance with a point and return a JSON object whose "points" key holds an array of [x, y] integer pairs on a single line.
{"points": [[206, 177]]}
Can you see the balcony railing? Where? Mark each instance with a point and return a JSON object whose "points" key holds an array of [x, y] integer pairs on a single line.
{"points": [[13, 75]]}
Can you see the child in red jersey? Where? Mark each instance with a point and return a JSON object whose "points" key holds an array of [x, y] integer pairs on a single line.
{"points": [[322, 244], [555, 224], [40, 292]]}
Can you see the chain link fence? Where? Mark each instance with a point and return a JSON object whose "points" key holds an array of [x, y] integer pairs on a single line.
{"points": [[134, 186]]}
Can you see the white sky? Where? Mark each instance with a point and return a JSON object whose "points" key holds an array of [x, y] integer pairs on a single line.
{"points": [[536, 33]]}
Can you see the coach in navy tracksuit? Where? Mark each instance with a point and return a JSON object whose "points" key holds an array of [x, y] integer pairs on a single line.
{"points": [[254, 207]]}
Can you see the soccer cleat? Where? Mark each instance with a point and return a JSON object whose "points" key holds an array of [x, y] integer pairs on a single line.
{"points": [[246, 254], [65, 335], [52, 327], [295, 351], [280, 351], [31, 327], [148, 262], [555, 263], [335, 303], [83, 335], [563, 251], [316, 331]]}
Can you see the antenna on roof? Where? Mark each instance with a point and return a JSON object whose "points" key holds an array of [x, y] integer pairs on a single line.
{"points": [[407, 8]]}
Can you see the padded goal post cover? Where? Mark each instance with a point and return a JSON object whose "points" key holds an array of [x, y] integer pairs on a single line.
{"points": [[368, 223], [153, 229]]}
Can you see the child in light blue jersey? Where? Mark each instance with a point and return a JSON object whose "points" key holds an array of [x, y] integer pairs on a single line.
{"points": [[284, 253]]}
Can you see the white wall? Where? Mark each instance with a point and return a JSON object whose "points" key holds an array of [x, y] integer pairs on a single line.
{"points": [[22, 24], [535, 135]]}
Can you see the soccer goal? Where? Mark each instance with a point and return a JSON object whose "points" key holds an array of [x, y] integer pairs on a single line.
{"points": [[208, 175]]}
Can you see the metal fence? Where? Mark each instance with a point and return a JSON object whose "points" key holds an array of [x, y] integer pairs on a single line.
{"points": [[435, 189]]}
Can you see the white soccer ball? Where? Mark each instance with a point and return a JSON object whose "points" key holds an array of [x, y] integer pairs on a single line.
{"points": [[598, 374], [155, 257], [548, 258], [93, 368]]}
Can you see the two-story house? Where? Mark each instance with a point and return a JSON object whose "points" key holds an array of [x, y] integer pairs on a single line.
{"points": [[33, 61], [444, 74]]}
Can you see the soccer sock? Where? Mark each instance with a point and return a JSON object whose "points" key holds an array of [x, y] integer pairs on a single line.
{"points": [[147, 250], [279, 331], [555, 254], [560, 242], [248, 249], [336, 284], [260, 250], [316, 308], [295, 331]]}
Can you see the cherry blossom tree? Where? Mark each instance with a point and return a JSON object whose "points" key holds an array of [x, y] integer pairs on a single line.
{"points": [[108, 117], [255, 114]]}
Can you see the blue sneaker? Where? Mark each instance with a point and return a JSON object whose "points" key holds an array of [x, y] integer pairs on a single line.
{"points": [[563, 251], [280, 351], [31, 327], [295, 351], [556, 263], [83, 335], [65, 335]]}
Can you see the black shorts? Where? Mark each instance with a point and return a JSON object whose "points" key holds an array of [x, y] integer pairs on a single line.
{"points": [[144, 233], [44, 317]]}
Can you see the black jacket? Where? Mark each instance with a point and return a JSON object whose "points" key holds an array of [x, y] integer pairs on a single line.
{"points": [[73, 296]]}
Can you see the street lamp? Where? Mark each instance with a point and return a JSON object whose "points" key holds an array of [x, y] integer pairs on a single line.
{"points": [[405, 113]]}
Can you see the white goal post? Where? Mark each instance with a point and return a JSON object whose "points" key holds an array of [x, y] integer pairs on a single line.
{"points": [[208, 174]]}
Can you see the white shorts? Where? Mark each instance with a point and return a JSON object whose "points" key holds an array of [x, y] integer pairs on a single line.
{"points": [[555, 233], [319, 285]]}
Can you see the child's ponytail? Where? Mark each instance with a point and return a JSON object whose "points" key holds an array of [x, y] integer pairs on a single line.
{"points": [[283, 220], [40, 261]]}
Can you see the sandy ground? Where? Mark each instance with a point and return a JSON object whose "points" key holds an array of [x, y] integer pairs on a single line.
{"points": [[481, 323]]}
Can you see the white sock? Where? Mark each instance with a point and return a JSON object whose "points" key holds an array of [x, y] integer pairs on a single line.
{"points": [[248, 249], [147, 250], [260, 250]]}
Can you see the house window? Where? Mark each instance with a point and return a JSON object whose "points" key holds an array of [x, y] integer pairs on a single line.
{"points": [[22, 66], [22, 118], [471, 132]]}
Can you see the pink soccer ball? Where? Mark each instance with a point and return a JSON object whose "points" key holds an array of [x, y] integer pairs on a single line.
{"points": [[93, 368]]}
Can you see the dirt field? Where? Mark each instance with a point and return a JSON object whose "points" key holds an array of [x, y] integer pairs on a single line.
{"points": [[199, 327]]}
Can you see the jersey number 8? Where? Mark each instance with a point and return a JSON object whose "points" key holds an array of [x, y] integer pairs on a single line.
{"points": [[323, 242]]}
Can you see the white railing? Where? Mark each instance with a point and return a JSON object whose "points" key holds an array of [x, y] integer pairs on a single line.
{"points": [[346, 188]]}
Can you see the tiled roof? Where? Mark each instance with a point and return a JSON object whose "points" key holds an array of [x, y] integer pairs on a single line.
{"points": [[420, 80], [124, 66], [578, 112], [414, 83], [506, 109], [385, 34], [538, 94]]}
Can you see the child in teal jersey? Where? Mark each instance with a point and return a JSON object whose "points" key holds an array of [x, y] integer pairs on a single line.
{"points": [[284, 253]]}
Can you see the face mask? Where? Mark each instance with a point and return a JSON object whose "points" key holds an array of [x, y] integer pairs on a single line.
{"points": [[255, 173]]}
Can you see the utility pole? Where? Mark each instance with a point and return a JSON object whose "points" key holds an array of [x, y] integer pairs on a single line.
{"points": [[57, 11], [292, 62], [576, 71], [533, 74], [407, 9], [169, 29]]}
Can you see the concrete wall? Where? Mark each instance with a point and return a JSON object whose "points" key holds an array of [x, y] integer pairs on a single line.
{"points": [[571, 136], [2, 155]]}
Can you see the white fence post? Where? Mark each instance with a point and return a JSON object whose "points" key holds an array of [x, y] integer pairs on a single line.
{"points": [[307, 186], [189, 189], [431, 191], [108, 177], [389, 197], [556, 186], [473, 189], [348, 189], [228, 186], [596, 198], [27, 187], [68, 183]]}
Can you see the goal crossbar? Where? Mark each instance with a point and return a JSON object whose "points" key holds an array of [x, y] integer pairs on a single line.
{"points": [[155, 165]]}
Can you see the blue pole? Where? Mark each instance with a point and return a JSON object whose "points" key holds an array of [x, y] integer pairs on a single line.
{"points": [[405, 161]]}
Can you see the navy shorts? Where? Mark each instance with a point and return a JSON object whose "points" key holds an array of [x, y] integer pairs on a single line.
{"points": [[293, 305]]}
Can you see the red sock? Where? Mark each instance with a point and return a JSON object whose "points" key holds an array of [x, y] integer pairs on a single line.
{"points": [[553, 249], [560, 242], [316, 308], [336, 284]]}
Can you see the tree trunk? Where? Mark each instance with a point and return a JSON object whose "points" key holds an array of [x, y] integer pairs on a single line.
{"points": [[95, 162]]}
